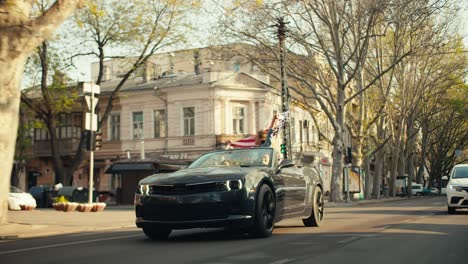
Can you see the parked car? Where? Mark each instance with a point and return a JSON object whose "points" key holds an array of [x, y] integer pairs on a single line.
{"points": [[18, 198], [430, 191], [249, 189], [457, 188], [416, 189]]}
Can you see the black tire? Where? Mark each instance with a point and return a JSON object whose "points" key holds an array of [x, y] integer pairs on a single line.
{"points": [[157, 233], [316, 217], [450, 210], [265, 210]]}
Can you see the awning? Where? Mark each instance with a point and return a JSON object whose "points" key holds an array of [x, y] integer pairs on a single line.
{"points": [[131, 166]]}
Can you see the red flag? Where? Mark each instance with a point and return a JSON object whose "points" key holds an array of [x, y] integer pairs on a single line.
{"points": [[248, 142]]}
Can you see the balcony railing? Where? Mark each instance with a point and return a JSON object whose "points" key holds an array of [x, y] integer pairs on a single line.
{"points": [[66, 147]]}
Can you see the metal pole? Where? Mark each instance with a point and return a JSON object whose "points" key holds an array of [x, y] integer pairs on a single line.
{"points": [[91, 153], [284, 84], [166, 143]]}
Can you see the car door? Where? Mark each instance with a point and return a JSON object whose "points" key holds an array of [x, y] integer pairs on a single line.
{"points": [[294, 186]]}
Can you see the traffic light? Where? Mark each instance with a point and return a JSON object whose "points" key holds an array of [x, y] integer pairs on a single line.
{"points": [[349, 156], [98, 140], [283, 148], [89, 140]]}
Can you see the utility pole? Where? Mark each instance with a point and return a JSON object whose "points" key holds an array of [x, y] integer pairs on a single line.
{"points": [[286, 146]]}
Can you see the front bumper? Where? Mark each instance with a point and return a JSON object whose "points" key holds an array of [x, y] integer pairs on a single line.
{"points": [[211, 209], [457, 199]]}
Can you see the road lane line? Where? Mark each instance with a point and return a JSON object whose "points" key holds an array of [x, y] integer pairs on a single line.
{"points": [[66, 244], [282, 261], [348, 240]]}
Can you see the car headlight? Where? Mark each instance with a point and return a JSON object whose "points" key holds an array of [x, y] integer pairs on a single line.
{"points": [[457, 188], [144, 189], [234, 185]]}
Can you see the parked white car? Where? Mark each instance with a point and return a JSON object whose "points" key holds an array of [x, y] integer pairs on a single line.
{"points": [[18, 198], [416, 189], [457, 188]]}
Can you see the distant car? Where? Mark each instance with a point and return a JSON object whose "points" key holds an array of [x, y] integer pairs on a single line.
{"points": [[18, 198], [430, 191], [457, 188], [244, 189], [416, 189]]}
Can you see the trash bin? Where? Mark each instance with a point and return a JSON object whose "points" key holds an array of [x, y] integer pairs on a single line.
{"points": [[39, 194], [50, 195], [75, 194]]}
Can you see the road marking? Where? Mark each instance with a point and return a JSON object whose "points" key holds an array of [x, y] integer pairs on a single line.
{"points": [[348, 240], [82, 234], [385, 227], [66, 244], [282, 261]]}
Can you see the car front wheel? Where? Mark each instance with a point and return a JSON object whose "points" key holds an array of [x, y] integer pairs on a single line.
{"points": [[316, 217], [264, 212], [157, 233]]}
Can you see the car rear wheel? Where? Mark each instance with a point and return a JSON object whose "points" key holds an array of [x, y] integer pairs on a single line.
{"points": [[157, 233], [450, 210], [264, 212], [316, 217]]}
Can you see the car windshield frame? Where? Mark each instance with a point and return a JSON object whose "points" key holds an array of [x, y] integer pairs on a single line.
{"points": [[251, 157], [460, 172]]}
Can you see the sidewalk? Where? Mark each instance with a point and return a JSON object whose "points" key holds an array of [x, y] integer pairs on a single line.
{"points": [[48, 222]]}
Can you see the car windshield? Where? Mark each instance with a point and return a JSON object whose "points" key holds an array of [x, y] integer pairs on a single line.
{"points": [[460, 172], [13, 189], [251, 157]]}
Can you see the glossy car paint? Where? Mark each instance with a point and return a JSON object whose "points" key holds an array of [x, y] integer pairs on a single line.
{"points": [[293, 188]]}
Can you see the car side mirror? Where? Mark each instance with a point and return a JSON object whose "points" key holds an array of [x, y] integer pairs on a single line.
{"points": [[284, 164]]}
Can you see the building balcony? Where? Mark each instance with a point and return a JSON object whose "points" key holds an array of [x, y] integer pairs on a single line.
{"points": [[66, 147]]}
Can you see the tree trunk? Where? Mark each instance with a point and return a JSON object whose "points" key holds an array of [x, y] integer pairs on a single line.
{"points": [[337, 154], [10, 78], [18, 38], [395, 159], [60, 176], [368, 179]]}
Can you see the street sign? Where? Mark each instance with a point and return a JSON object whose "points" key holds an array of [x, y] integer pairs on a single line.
{"points": [[91, 88], [88, 122], [94, 102]]}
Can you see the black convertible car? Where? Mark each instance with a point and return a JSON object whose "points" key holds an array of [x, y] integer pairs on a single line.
{"points": [[244, 188]]}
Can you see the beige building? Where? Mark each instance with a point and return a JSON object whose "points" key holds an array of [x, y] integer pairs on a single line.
{"points": [[183, 104]]}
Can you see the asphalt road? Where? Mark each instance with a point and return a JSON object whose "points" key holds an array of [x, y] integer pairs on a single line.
{"points": [[412, 231]]}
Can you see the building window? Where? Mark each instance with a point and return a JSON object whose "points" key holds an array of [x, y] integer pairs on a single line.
{"points": [[138, 125], [189, 121], [114, 126], [238, 120], [301, 139], [159, 123], [293, 130]]}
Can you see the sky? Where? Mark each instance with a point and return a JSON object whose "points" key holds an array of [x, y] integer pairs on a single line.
{"points": [[204, 22]]}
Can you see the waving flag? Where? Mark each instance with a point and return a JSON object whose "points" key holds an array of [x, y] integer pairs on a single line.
{"points": [[248, 142]]}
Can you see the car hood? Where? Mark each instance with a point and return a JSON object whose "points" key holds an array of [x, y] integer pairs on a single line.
{"points": [[461, 181], [199, 175]]}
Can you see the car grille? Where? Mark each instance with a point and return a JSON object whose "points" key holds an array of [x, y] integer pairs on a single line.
{"points": [[465, 202], [185, 212], [188, 188]]}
